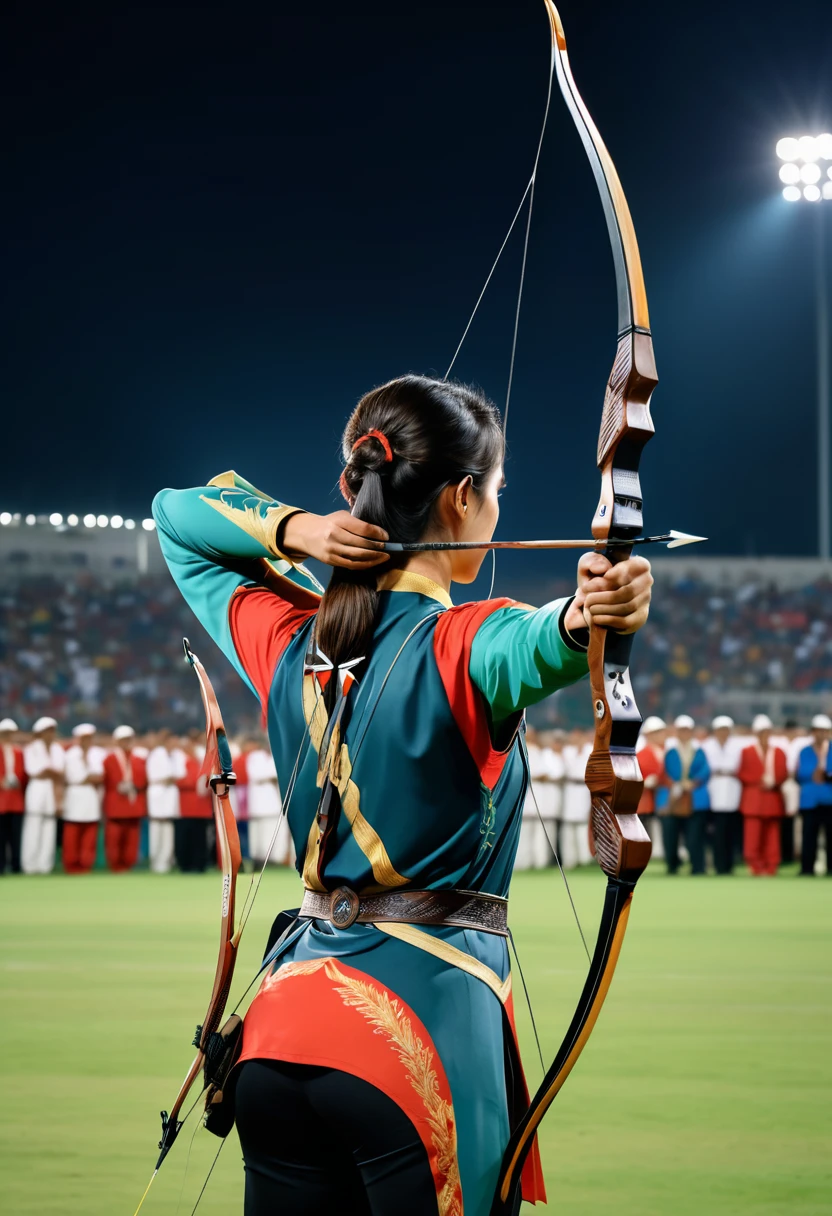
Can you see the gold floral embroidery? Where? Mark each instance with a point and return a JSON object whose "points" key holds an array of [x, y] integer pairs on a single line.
{"points": [[386, 1014], [261, 528], [304, 967]]}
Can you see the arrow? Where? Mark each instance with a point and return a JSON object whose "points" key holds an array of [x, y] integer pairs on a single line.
{"points": [[673, 540]]}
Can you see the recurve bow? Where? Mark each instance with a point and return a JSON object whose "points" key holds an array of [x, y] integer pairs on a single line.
{"points": [[613, 775], [219, 765]]}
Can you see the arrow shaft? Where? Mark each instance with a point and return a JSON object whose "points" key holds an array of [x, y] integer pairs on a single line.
{"points": [[434, 546]]}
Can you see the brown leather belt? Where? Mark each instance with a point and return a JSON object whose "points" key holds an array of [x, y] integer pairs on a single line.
{"points": [[465, 909]]}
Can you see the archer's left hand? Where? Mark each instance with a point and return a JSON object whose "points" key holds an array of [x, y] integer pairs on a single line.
{"points": [[617, 597]]}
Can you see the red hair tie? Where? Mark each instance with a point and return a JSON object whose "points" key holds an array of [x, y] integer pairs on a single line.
{"points": [[383, 440]]}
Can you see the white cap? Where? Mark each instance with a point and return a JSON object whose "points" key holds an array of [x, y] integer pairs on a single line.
{"points": [[124, 732], [8, 724], [684, 721], [83, 730], [762, 722], [722, 722], [44, 724], [653, 723], [819, 722]]}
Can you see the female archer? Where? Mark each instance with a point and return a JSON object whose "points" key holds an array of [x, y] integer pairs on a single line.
{"points": [[379, 1070]]}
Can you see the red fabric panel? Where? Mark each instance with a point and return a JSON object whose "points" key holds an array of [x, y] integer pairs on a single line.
{"points": [[262, 626], [452, 641], [327, 1013]]}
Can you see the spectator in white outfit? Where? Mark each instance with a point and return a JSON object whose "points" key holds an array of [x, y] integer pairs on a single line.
{"points": [[533, 851], [264, 810], [84, 773], [43, 760], [162, 801], [574, 841], [723, 751]]}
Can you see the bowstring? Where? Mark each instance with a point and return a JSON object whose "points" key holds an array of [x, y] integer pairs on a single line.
{"points": [[208, 1175]]}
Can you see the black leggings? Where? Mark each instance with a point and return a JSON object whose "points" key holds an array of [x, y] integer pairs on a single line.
{"points": [[317, 1141]]}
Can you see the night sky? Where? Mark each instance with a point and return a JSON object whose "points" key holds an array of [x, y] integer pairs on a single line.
{"points": [[225, 222]]}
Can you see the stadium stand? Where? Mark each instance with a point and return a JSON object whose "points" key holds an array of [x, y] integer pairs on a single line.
{"points": [[91, 627]]}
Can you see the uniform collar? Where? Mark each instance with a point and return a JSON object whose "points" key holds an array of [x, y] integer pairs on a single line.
{"points": [[406, 580]]}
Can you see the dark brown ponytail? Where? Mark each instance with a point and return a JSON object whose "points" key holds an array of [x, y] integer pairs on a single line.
{"points": [[438, 434]]}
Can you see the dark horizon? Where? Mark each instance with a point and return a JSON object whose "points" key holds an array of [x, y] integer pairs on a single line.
{"points": [[223, 226]]}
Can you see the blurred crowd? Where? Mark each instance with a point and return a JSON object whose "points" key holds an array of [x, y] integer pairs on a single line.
{"points": [[87, 648], [84, 648], [713, 797], [122, 799]]}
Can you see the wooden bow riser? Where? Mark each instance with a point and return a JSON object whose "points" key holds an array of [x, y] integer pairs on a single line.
{"points": [[613, 774]]}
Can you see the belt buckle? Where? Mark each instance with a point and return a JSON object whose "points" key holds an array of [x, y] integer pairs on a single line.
{"points": [[344, 906]]}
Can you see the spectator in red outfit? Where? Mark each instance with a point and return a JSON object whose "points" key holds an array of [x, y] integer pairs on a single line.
{"points": [[82, 801], [12, 785], [763, 769], [195, 811], [651, 762], [125, 800]]}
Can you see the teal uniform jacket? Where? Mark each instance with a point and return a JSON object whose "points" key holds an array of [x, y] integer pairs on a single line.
{"points": [[431, 773]]}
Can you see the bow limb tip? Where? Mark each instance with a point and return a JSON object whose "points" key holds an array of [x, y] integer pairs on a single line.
{"points": [[170, 1130]]}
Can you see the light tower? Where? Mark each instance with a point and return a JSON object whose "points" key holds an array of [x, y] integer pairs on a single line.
{"points": [[806, 174]]}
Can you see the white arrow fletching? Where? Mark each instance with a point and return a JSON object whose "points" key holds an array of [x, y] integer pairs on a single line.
{"points": [[683, 538]]}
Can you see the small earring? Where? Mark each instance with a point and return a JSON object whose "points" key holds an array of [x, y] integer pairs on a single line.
{"points": [[465, 508]]}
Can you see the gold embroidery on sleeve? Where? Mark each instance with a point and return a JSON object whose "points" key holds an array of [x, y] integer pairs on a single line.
{"points": [[261, 528]]}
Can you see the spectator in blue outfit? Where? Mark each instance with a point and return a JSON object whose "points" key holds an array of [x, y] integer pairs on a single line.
{"points": [[687, 771], [814, 776]]}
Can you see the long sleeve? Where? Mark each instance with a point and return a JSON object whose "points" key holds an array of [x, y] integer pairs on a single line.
{"points": [[700, 769], [519, 655], [219, 538], [806, 766], [673, 765]]}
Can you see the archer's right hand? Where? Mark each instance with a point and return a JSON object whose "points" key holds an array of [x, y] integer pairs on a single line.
{"points": [[337, 539]]}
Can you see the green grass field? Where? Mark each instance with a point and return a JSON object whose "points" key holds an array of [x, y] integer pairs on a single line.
{"points": [[706, 1085]]}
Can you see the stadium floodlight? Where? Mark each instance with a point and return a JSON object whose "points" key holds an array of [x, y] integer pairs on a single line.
{"points": [[800, 172], [116, 521], [148, 524], [801, 169], [56, 519], [89, 521], [787, 149], [129, 524], [102, 521], [72, 520], [5, 518], [807, 148]]}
